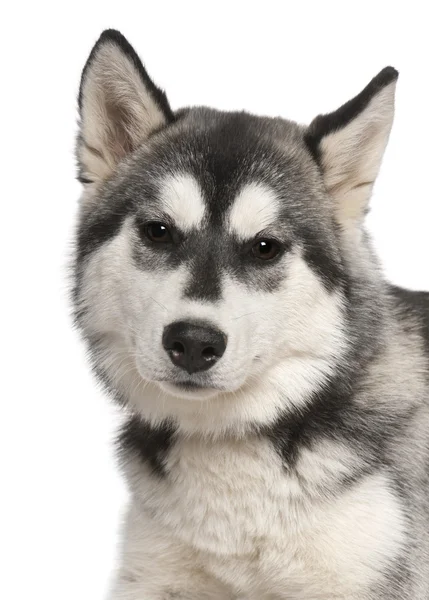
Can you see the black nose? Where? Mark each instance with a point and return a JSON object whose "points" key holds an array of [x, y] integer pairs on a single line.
{"points": [[193, 346]]}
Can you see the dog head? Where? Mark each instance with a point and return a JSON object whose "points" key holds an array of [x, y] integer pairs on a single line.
{"points": [[215, 250]]}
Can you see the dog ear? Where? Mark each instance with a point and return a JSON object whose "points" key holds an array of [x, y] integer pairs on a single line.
{"points": [[349, 144], [119, 107]]}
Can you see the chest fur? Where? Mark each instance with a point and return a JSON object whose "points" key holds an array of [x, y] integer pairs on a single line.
{"points": [[246, 513]]}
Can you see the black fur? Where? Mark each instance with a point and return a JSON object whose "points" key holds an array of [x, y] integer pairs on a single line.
{"points": [[223, 152], [229, 151], [332, 413], [326, 124], [150, 444], [98, 228], [323, 260], [414, 303], [205, 282]]}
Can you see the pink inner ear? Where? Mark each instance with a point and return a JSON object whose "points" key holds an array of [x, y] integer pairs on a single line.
{"points": [[120, 124]]}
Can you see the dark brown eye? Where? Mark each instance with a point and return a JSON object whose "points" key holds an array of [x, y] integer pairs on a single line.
{"points": [[158, 233], [265, 249]]}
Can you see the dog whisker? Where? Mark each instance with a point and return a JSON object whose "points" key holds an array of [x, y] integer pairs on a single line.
{"points": [[241, 316], [159, 303]]}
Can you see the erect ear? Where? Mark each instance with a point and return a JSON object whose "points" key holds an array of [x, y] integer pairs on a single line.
{"points": [[119, 106], [349, 145]]}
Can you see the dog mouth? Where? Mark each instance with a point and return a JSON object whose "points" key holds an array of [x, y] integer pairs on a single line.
{"points": [[188, 388], [189, 385]]}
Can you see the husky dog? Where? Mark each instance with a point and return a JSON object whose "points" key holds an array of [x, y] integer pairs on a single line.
{"points": [[276, 386]]}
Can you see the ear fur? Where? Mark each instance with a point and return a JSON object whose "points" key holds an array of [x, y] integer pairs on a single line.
{"points": [[349, 144], [119, 107]]}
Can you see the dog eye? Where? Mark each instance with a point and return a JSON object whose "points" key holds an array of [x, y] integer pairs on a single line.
{"points": [[158, 233], [265, 249]]}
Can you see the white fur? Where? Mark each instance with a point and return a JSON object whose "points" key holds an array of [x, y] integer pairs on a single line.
{"points": [[233, 514], [255, 208], [282, 365], [231, 521], [351, 156], [181, 198], [117, 113]]}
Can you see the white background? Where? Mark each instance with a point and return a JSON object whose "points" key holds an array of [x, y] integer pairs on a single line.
{"points": [[62, 496]]}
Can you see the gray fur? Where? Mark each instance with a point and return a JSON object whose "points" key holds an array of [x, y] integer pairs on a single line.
{"points": [[297, 467]]}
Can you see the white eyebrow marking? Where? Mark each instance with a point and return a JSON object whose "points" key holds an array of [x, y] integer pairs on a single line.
{"points": [[182, 200], [255, 208]]}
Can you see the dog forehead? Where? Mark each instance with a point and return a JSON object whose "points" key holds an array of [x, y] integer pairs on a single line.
{"points": [[226, 170], [255, 207], [182, 199]]}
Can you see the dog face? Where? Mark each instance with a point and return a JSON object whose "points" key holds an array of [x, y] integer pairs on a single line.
{"points": [[212, 247]]}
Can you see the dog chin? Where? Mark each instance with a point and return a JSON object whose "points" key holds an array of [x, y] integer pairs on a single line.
{"points": [[188, 391]]}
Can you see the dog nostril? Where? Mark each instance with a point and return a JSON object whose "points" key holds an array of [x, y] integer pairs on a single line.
{"points": [[209, 353], [178, 348]]}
